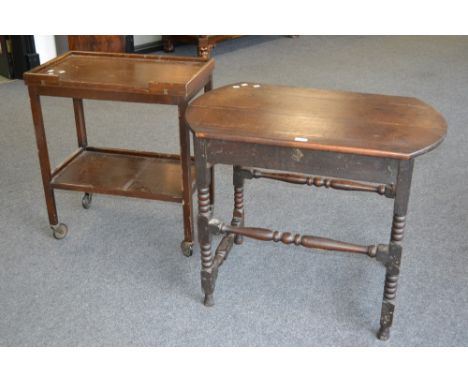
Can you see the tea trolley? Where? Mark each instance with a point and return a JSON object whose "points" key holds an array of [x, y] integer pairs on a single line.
{"points": [[119, 77]]}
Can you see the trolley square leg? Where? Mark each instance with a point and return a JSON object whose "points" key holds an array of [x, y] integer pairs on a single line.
{"points": [[80, 122], [185, 161], [59, 229], [387, 177], [82, 139]]}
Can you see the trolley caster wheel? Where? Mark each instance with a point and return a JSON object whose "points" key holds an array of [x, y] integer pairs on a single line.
{"points": [[187, 248], [86, 201], [59, 231]]}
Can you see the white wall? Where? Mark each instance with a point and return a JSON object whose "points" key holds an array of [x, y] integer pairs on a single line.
{"points": [[45, 47], [141, 39]]}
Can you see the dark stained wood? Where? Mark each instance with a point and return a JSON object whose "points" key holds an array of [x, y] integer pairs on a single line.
{"points": [[307, 241], [392, 265], [342, 122], [209, 87], [80, 122], [6, 59], [149, 177], [124, 73], [67, 160], [187, 174], [317, 181], [43, 153], [299, 160], [129, 78], [351, 139], [223, 249], [238, 213], [98, 43]]}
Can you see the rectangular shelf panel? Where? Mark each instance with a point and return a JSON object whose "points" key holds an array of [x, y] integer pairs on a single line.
{"points": [[126, 173]]}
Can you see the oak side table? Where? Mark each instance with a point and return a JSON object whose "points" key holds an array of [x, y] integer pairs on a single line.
{"points": [[119, 77], [347, 141]]}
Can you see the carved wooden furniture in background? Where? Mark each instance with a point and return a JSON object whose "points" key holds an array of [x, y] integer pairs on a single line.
{"points": [[204, 43], [119, 77], [349, 141]]}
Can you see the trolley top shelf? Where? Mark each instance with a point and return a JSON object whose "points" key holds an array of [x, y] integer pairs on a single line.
{"points": [[121, 74]]}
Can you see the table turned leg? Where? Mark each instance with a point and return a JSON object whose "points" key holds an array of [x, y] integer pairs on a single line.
{"points": [[186, 164], [392, 266], [209, 87], [238, 215], [59, 229], [208, 272]]}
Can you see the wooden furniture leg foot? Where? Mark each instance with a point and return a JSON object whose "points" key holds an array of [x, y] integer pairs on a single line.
{"points": [[209, 300], [186, 248], [388, 305], [208, 285], [383, 334]]}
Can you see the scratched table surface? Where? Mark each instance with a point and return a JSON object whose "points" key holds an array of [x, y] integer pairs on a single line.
{"points": [[338, 121]]}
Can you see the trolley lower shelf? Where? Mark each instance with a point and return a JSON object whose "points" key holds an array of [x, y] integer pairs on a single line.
{"points": [[122, 172]]}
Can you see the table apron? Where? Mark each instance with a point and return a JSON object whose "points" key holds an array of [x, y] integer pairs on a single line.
{"points": [[323, 163], [110, 95]]}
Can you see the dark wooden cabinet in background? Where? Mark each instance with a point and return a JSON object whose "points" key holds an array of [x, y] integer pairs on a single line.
{"points": [[17, 55], [6, 62], [102, 43]]}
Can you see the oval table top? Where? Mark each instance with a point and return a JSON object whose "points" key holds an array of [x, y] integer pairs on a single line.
{"points": [[324, 120]]}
